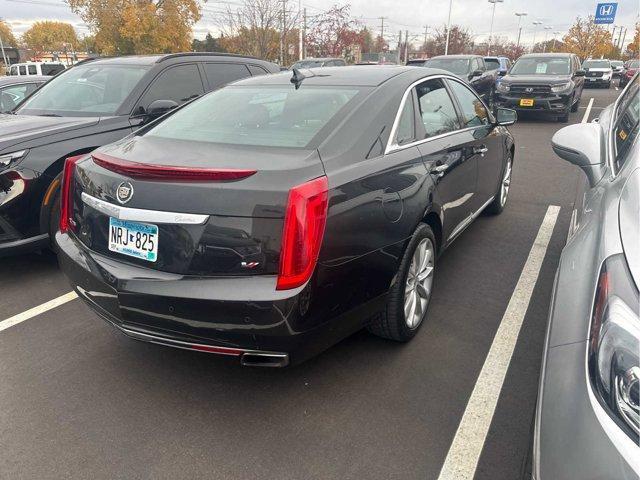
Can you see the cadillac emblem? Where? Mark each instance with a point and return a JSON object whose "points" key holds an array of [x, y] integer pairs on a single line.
{"points": [[124, 192]]}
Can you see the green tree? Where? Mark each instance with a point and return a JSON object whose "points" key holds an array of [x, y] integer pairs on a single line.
{"points": [[209, 44]]}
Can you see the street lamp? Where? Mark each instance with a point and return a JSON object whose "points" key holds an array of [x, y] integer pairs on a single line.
{"points": [[554, 40], [493, 14], [535, 30], [446, 45], [546, 35], [520, 15]]}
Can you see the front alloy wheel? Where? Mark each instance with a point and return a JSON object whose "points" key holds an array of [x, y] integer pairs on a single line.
{"points": [[417, 290]]}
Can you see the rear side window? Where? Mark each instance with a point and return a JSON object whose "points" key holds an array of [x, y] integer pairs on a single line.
{"points": [[406, 126], [32, 70], [180, 84], [13, 71], [626, 126], [436, 108], [278, 116], [51, 70], [474, 113], [492, 64], [23, 70], [219, 74], [255, 70]]}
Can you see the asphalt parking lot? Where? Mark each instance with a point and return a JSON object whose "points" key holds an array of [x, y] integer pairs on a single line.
{"points": [[81, 401]]}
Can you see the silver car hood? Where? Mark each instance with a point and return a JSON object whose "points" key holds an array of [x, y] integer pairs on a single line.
{"points": [[629, 217]]}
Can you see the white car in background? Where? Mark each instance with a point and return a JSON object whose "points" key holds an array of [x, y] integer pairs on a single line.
{"points": [[47, 69], [597, 72]]}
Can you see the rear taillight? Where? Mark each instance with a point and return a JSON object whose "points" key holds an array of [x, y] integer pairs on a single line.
{"points": [[66, 193], [171, 173], [304, 223]]}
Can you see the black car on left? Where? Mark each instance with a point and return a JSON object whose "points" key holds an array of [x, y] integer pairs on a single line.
{"points": [[94, 103], [274, 217]]}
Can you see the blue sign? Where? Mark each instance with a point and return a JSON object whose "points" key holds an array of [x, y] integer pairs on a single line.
{"points": [[605, 13]]}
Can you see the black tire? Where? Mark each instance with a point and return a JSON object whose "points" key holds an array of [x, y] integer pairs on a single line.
{"points": [[576, 104], [390, 323], [497, 205]]}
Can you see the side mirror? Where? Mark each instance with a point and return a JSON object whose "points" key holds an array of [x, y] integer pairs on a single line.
{"points": [[506, 116], [502, 73], [580, 73], [584, 145], [160, 107], [476, 73]]}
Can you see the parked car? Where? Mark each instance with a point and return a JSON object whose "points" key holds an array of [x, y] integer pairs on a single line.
{"points": [[276, 216], [587, 418], [47, 69], [598, 72], [630, 69], [92, 104], [501, 64], [319, 62], [472, 69], [15, 89], [618, 68], [417, 62], [543, 82]]}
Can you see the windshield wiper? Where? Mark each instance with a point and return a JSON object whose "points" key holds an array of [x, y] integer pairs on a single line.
{"points": [[49, 115]]}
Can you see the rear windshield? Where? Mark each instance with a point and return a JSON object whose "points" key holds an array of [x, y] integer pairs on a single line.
{"points": [[459, 66], [51, 70], [492, 63], [541, 66], [596, 64], [307, 64], [278, 116]]}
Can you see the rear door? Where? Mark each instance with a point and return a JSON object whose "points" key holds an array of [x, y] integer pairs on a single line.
{"points": [[482, 142], [452, 167]]}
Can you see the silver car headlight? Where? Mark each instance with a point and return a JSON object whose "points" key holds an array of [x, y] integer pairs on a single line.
{"points": [[503, 87], [614, 345], [7, 159], [561, 87]]}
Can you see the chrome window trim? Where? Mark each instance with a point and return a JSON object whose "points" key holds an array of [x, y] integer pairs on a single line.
{"points": [[142, 215], [392, 146]]}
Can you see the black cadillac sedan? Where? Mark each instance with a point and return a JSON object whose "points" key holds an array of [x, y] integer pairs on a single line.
{"points": [[278, 215]]}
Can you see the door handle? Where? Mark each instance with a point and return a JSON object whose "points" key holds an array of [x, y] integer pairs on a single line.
{"points": [[439, 169], [480, 150]]}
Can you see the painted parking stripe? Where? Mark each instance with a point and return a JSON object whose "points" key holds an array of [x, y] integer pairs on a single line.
{"points": [[32, 312], [587, 111], [462, 459]]}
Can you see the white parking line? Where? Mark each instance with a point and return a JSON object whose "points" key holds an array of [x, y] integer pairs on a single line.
{"points": [[32, 312], [587, 111], [464, 453]]}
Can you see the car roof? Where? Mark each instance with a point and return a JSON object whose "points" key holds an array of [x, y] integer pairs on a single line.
{"points": [[462, 57], [319, 59], [363, 76], [153, 59], [550, 55], [17, 79]]}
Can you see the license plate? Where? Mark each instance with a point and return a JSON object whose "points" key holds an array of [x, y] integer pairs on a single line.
{"points": [[592, 79], [526, 102], [139, 240]]}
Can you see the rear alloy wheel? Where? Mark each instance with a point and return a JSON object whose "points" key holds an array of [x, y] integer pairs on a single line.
{"points": [[502, 195], [410, 295]]}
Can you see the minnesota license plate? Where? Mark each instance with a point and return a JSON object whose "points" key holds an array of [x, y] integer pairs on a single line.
{"points": [[139, 240], [526, 102]]}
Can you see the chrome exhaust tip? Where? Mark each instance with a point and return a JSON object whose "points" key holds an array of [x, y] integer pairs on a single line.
{"points": [[255, 359]]}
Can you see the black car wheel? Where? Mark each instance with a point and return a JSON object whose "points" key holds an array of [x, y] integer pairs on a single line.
{"points": [[410, 295], [502, 195]]}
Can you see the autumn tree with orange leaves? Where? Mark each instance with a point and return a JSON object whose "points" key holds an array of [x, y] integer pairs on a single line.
{"points": [[139, 26], [586, 39], [50, 36]]}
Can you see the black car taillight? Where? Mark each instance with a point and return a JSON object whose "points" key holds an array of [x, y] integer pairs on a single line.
{"points": [[66, 194], [171, 173], [303, 231], [614, 345]]}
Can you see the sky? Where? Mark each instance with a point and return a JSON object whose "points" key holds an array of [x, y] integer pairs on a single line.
{"points": [[411, 15]]}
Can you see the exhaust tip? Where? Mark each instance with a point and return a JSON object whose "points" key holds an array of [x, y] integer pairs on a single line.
{"points": [[277, 360]]}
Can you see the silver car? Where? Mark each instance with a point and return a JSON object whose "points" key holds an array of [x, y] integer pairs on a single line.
{"points": [[588, 412]]}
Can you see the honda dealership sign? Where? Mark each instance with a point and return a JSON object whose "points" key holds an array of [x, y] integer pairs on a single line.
{"points": [[605, 13]]}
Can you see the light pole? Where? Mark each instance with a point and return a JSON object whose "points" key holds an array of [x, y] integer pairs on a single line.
{"points": [[546, 35], [446, 45], [493, 14], [553, 47], [520, 15], [535, 30]]}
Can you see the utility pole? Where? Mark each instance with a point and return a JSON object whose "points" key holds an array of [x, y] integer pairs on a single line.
{"points": [[619, 38], [622, 43], [282, 20], [4, 56], [446, 45], [304, 30], [406, 46], [300, 41], [426, 32], [382, 19], [520, 15], [399, 47]]}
